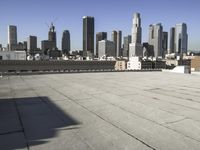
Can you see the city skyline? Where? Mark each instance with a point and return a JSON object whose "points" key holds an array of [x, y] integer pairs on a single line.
{"points": [[70, 18]]}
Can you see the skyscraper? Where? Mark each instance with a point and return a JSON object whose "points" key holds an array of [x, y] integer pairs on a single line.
{"points": [[66, 42], [127, 41], [88, 35], [172, 41], [12, 37], [181, 38], [31, 44], [52, 36], [100, 36], [114, 39], [119, 44], [106, 48], [155, 39], [135, 48], [164, 43], [25, 45]]}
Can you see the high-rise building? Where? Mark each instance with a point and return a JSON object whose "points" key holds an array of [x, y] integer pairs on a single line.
{"points": [[114, 39], [164, 43], [52, 36], [136, 29], [127, 41], [135, 48], [155, 39], [172, 41], [32, 44], [25, 45], [181, 38], [12, 37], [106, 48], [100, 36], [119, 44], [66, 42], [88, 35], [46, 46]]}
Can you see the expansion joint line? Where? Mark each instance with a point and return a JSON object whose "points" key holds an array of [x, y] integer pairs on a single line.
{"points": [[20, 120], [106, 121]]}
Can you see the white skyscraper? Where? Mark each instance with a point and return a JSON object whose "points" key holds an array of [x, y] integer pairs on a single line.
{"points": [[181, 38], [155, 39], [106, 48], [12, 37], [135, 45]]}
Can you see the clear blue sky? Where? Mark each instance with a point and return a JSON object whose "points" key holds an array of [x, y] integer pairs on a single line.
{"points": [[30, 17]]}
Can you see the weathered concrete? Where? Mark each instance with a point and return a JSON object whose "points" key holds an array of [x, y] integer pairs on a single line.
{"points": [[96, 111]]}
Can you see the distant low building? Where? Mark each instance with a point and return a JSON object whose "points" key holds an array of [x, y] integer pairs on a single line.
{"points": [[120, 65], [148, 50], [195, 63], [12, 55], [54, 54], [46, 45], [136, 63], [171, 63]]}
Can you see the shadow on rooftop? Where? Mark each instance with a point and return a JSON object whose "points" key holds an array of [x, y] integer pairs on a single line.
{"points": [[25, 122]]}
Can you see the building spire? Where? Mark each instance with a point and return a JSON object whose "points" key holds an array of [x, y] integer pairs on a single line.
{"points": [[52, 28]]}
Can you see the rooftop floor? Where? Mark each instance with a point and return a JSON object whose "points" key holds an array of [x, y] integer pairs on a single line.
{"points": [[100, 111]]}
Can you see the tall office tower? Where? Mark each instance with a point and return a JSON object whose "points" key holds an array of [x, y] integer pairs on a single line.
{"points": [[25, 45], [106, 48], [119, 44], [88, 35], [52, 36], [32, 44], [127, 41], [181, 38], [135, 48], [164, 43], [172, 41], [66, 42], [114, 39], [155, 39], [100, 36], [12, 37]]}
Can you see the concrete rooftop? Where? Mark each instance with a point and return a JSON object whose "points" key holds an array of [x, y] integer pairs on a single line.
{"points": [[100, 111]]}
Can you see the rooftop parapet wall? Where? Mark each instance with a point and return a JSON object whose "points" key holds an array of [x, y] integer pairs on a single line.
{"points": [[19, 65]]}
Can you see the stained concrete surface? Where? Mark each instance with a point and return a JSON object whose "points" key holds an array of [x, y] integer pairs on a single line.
{"points": [[100, 111]]}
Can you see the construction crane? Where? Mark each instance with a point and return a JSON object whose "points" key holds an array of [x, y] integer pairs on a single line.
{"points": [[52, 22]]}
